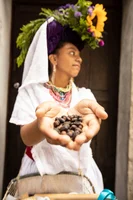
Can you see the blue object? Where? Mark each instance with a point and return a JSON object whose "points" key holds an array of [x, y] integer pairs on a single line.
{"points": [[106, 194]]}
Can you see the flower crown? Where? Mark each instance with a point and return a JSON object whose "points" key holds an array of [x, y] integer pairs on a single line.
{"points": [[82, 17]]}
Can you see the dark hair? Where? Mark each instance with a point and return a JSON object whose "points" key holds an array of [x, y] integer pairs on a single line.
{"points": [[59, 46], [57, 34]]}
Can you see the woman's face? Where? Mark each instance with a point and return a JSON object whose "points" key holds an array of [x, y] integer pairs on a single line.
{"points": [[68, 61]]}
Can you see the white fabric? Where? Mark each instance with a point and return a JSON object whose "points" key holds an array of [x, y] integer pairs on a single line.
{"points": [[36, 62], [10, 197], [52, 159], [55, 158], [42, 198]]}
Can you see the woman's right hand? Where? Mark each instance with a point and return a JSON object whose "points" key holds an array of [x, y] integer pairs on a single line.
{"points": [[46, 114]]}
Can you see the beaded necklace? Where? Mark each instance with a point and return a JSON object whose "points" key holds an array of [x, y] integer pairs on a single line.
{"points": [[61, 95]]}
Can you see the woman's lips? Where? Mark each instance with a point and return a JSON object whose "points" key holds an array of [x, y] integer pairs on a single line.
{"points": [[76, 66]]}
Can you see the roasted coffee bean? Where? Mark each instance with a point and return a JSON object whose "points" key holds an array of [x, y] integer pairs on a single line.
{"points": [[76, 123], [57, 118], [59, 127], [56, 123], [80, 119], [75, 134], [64, 127], [74, 119], [78, 129], [68, 118], [61, 120], [73, 127], [80, 126], [64, 117], [70, 133], [63, 132]]}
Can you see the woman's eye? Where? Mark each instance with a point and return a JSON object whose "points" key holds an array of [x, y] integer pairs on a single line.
{"points": [[72, 53]]}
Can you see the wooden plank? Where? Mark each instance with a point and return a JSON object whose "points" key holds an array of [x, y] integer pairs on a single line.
{"points": [[69, 196], [65, 197]]}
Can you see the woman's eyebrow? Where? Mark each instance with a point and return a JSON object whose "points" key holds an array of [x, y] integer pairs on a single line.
{"points": [[72, 48]]}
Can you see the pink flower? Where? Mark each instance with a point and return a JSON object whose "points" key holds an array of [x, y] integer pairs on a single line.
{"points": [[101, 43], [89, 30]]}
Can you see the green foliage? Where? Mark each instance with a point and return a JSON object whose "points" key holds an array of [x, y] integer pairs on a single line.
{"points": [[84, 3], [25, 37]]}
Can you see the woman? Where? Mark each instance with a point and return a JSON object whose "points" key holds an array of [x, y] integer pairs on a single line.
{"points": [[48, 91]]}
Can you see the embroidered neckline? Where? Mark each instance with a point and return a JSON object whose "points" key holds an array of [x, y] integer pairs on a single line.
{"points": [[60, 89], [61, 95]]}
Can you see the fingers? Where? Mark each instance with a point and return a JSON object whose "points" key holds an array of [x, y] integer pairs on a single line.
{"points": [[92, 127], [55, 138], [52, 136], [64, 140], [73, 111], [48, 109], [73, 145], [80, 139], [101, 113], [95, 107]]}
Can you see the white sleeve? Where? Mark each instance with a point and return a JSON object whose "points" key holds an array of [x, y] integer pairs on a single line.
{"points": [[24, 108], [86, 94]]}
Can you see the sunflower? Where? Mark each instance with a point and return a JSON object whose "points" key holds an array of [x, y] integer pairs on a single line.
{"points": [[96, 20]]}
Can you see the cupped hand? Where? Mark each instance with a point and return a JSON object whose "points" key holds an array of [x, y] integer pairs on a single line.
{"points": [[92, 114], [46, 114], [86, 106]]}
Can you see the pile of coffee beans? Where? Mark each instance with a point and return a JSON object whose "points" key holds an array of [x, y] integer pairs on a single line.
{"points": [[69, 125]]}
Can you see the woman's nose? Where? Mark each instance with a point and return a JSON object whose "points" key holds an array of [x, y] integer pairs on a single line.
{"points": [[79, 59]]}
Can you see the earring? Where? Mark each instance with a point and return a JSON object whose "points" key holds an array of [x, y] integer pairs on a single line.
{"points": [[53, 74], [54, 68]]}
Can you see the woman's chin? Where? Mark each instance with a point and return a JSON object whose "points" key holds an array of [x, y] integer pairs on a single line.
{"points": [[75, 74]]}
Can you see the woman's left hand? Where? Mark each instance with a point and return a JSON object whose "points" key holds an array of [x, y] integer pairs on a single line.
{"points": [[92, 113]]}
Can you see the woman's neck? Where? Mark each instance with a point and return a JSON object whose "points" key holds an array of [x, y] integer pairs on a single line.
{"points": [[60, 82]]}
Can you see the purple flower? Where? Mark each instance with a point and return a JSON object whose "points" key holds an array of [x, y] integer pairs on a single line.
{"points": [[74, 7], [66, 6], [90, 10], [93, 34], [77, 14], [101, 43]]}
